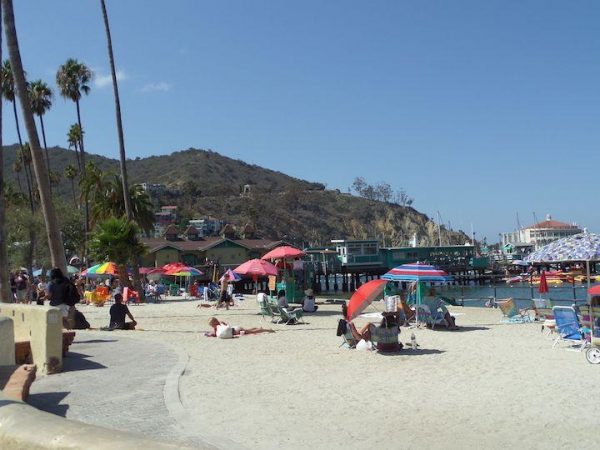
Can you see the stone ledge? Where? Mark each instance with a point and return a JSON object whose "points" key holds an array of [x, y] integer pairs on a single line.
{"points": [[24, 427]]}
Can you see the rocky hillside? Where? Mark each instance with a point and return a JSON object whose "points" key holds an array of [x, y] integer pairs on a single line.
{"points": [[204, 182]]}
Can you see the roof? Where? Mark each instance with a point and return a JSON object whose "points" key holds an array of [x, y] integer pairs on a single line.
{"points": [[171, 229], [553, 224], [191, 230], [155, 244]]}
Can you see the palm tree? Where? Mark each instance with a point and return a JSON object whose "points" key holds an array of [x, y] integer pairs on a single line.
{"points": [[73, 79], [122, 158], [8, 92], [74, 136], [70, 174], [16, 168], [24, 158], [55, 242], [5, 294], [116, 239], [41, 102]]}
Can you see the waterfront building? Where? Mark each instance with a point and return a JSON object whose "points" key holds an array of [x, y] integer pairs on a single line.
{"points": [[538, 235], [207, 226]]}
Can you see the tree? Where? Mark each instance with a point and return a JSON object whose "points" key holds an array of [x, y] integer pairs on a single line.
{"points": [[50, 218], [122, 156], [5, 293], [74, 136], [70, 174], [73, 79], [116, 240], [403, 199], [41, 101]]}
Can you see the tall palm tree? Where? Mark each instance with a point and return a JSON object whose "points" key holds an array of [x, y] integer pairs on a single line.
{"points": [[5, 294], [70, 174], [24, 158], [73, 79], [122, 158], [55, 242], [8, 92], [74, 136], [41, 101]]}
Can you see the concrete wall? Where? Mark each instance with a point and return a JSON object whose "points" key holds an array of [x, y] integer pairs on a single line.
{"points": [[7, 342], [24, 427], [42, 326]]}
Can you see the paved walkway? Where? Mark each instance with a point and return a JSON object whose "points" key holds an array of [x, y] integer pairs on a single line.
{"points": [[113, 381]]}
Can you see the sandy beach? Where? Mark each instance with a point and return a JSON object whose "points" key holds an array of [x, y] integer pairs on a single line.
{"points": [[489, 385]]}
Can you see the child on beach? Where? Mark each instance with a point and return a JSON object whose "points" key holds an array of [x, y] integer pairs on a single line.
{"points": [[237, 331]]}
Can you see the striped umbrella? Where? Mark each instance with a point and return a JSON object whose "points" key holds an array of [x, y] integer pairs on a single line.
{"points": [[230, 275], [183, 271], [417, 272], [363, 297], [107, 268]]}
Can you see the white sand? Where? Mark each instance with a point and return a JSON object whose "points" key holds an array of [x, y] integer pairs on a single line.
{"points": [[490, 385]]}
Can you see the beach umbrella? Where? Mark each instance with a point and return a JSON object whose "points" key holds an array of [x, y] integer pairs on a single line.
{"points": [[543, 287], [107, 268], [185, 272], [417, 272], [256, 268], [230, 275], [363, 297], [578, 247], [284, 252], [595, 290]]}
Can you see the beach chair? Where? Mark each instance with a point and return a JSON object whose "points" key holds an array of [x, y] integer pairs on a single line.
{"points": [[266, 310], [512, 314], [569, 328], [346, 334], [436, 313], [427, 318], [593, 353], [543, 313], [385, 339], [289, 317]]}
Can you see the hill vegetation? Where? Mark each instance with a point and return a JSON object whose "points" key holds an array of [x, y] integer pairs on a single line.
{"points": [[203, 182]]}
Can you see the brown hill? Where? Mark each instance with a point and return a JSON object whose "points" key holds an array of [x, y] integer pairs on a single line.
{"points": [[203, 182]]}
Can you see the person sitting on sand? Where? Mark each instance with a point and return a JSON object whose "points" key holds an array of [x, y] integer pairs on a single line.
{"points": [[308, 304], [237, 331], [118, 311]]}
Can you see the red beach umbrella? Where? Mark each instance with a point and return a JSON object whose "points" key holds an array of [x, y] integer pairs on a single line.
{"points": [[284, 252], [364, 296], [256, 268], [543, 287], [594, 290]]}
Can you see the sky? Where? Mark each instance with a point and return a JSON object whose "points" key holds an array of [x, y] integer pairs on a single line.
{"points": [[479, 110]]}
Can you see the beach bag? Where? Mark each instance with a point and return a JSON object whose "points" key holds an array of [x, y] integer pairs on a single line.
{"points": [[224, 332], [80, 321], [72, 295], [364, 345]]}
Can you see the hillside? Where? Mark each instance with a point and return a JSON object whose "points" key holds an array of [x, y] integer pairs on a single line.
{"points": [[204, 182]]}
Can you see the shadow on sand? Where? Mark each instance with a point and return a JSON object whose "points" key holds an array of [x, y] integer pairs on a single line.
{"points": [[50, 402], [78, 361]]}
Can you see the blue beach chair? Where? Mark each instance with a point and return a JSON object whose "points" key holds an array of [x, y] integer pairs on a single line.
{"points": [[568, 327]]}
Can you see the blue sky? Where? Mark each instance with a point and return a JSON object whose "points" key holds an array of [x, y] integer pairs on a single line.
{"points": [[478, 109]]}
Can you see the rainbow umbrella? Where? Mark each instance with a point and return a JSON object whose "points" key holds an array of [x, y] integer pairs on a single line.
{"points": [[185, 272], [230, 275], [107, 268]]}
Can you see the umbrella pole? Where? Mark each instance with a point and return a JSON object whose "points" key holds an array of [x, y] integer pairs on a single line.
{"points": [[417, 302]]}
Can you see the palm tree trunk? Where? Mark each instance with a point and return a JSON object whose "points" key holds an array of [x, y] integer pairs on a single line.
{"points": [[19, 181], [86, 205], [45, 148], [122, 155], [73, 190], [55, 242], [5, 294]]}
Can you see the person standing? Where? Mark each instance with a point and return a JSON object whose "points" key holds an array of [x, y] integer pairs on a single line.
{"points": [[22, 287]]}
